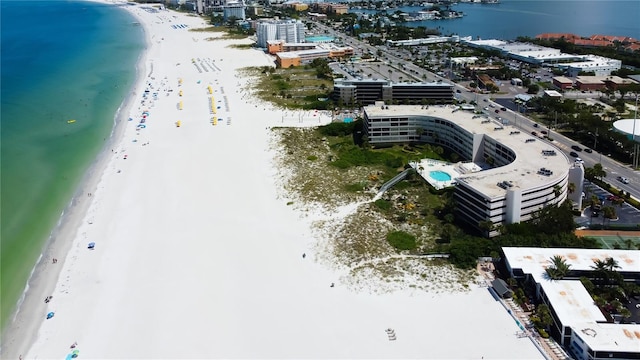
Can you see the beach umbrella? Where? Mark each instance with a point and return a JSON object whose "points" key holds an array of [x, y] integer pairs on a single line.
{"points": [[92, 245], [50, 315], [69, 357]]}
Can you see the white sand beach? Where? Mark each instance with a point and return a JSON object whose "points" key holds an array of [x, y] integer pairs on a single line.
{"points": [[197, 254]]}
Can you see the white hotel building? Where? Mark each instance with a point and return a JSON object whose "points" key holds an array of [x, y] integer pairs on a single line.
{"points": [[291, 31], [522, 173]]}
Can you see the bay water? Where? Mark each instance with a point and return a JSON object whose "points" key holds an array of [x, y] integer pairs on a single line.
{"points": [[509, 19]]}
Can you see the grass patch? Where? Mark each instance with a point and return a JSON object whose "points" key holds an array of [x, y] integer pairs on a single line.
{"points": [[241, 46], [209, 29], [401, 240], [292, 88], [355, 187], [383, 204], [312, 158]]}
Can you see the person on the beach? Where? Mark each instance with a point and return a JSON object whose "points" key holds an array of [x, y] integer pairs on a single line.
{"points": [[304, 255]]}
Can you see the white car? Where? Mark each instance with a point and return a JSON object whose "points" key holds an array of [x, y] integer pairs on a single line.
{"points": [[579, 160], [623, 180]]}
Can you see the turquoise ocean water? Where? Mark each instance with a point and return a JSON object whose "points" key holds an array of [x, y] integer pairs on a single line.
{"points": [[60, 60]]}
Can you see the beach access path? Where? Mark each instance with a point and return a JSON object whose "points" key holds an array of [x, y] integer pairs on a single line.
{"points": [[197, 254]]}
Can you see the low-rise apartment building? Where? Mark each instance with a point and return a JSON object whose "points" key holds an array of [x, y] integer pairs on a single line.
{"points": [[578, 324], [368, 91]]}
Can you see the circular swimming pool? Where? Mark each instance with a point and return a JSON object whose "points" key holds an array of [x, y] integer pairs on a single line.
{"points": [[440, 176]]}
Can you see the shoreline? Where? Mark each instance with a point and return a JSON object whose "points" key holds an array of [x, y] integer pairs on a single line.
{"points": [[45, 275]]}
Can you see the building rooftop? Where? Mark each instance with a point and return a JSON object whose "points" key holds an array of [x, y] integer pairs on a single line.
{"points": [[552, 93], [571, 302], [593, 61], [562, 79], [610, 337], [534, 261], [529, 159], [301, 53]]}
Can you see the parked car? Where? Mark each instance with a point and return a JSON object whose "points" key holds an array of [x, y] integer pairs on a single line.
{"points": [[544, 132], [623, 180], [497, 111], [574, 154], [613, 198], [579, 160], [503, 108], [587, 150], [535, 125], [576, 148], [534, 133]]}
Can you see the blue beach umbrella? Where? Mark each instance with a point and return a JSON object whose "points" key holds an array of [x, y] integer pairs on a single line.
{"points": [[92, 245], [50, 315]]}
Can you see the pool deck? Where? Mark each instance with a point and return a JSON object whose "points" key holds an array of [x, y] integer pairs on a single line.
{"points": [[425, 166]]}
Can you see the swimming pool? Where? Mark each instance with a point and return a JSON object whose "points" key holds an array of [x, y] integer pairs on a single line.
{"points": [[319, 38], [440, 176]]}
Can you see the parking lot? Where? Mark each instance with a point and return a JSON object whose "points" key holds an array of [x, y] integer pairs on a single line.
{"points": [[627, 214]]}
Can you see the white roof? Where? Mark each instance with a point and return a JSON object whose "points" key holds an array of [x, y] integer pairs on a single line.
{"points": [[628, 127], [609, 337], [534, 261], [552, 93], [571, 302], [490, 42], [522, 172]]}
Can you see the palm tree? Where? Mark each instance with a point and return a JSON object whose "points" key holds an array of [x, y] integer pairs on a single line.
{"points": [[609, 212], [611, 264], [571, 188], [558, 268], [599, 171], [628, 243], [601, 274]]}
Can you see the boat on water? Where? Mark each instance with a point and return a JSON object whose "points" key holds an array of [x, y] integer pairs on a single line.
{"points": [[70, 121]]}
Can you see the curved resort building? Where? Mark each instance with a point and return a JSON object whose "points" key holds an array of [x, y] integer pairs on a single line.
{"points": [[520, 174]]}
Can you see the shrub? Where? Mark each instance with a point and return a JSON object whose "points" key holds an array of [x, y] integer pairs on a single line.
{"points": [[543, 333], [337, 129], [355, 187], [312, 158], [401, 240], [383, 204], [341, 164], [393, 162]]}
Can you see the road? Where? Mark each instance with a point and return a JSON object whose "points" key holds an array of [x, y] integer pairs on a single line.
{"points": [[612, 167]]}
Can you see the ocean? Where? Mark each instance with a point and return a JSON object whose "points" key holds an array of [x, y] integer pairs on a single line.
{"points": [[512, 18], [61, 60]]}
